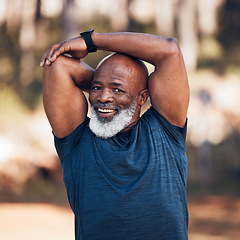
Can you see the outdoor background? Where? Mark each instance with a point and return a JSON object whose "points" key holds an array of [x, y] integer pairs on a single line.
{"points": [[33, 201]]}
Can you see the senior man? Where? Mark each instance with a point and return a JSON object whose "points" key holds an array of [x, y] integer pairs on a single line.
{"points": [[125, 175]]}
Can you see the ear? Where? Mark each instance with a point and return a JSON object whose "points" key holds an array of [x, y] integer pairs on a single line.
{"points": [[143, 96]]}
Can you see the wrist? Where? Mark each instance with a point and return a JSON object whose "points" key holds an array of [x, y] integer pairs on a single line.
{"points": [[87, 36]]}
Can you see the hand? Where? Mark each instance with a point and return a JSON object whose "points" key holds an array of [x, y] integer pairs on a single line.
{"points": [[76, 47]]}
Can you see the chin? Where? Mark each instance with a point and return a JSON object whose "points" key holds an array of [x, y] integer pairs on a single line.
{"points": [[109, 127]]}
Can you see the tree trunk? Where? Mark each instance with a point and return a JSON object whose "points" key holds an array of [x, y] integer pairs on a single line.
{"points": [[188, 32]]}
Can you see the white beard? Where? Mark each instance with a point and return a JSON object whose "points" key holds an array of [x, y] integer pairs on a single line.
{"points": [[105, 129]]}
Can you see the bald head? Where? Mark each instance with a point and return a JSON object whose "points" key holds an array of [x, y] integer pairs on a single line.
{"points": [[119, 89], [133, 69]]}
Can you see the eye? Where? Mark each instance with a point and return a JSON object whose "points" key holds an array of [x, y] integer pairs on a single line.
{"points": [[95, 88], [117, 90]]}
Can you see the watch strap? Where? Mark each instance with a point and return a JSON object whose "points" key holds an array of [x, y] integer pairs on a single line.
{"points": [[88, 40]]}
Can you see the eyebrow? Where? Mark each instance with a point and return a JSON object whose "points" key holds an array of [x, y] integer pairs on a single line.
{"points": [[116, 84], [96, 82]]}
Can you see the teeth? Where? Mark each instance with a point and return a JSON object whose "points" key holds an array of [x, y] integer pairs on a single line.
{"points": [[105, 110]]}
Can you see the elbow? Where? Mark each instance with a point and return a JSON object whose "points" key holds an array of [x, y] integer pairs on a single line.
{"points": [[172, 46], [168, 49], [172, 40]]}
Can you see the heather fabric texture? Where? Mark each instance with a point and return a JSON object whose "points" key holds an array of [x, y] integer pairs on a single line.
{"points": [[131, 186]]}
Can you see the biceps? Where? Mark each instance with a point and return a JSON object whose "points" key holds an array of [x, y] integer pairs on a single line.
{"points": [[65, 111], [64, 102], [169, 91]]}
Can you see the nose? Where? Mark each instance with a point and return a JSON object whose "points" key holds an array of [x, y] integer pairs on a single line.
{"points": [[105, 96]]}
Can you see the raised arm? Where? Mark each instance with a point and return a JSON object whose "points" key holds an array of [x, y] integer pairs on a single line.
{"points": [[168, 84], [64, 101]]}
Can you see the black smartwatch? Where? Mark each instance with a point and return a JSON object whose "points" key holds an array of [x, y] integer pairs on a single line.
{"points": [[88, 40]]}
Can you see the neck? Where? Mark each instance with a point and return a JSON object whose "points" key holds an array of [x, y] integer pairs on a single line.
{"points": [[129, 126]]}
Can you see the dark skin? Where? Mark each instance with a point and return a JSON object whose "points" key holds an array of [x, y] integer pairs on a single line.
{"points": [[65, 78], [118, 81]]}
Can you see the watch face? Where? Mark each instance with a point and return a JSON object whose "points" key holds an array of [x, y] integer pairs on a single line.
{"points": [[87, 32]]}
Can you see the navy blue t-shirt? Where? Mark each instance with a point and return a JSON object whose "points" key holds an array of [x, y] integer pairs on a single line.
{"points": [[128, 187]]}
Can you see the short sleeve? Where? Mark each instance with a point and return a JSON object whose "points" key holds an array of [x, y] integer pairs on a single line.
{"points": [[64, 146], [176, 133]]}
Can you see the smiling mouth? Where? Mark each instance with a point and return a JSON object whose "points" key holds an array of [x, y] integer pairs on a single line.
{"points": [[104, 110], [106, 113]]}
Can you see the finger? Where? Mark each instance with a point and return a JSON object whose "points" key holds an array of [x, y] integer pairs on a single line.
{"points": [[52, 50], [47, 55], [63, 48], [43, 59]]}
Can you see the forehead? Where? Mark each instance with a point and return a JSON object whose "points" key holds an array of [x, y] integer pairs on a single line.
{"points": [[114, 72]]}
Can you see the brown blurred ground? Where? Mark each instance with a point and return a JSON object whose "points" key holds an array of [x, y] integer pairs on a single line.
{"points": [[214, 218], [26, 221], [211, 218]]}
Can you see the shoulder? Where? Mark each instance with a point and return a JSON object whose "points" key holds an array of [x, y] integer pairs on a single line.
{"points": [[159, 125], [65, 145]]}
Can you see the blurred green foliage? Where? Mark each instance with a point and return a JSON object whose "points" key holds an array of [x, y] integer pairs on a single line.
{"points": [[220, 52], [225, 43], [21, 76]]}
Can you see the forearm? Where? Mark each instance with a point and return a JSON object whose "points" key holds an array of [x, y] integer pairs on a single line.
{"points": [[150, 48], [82, 76]]}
